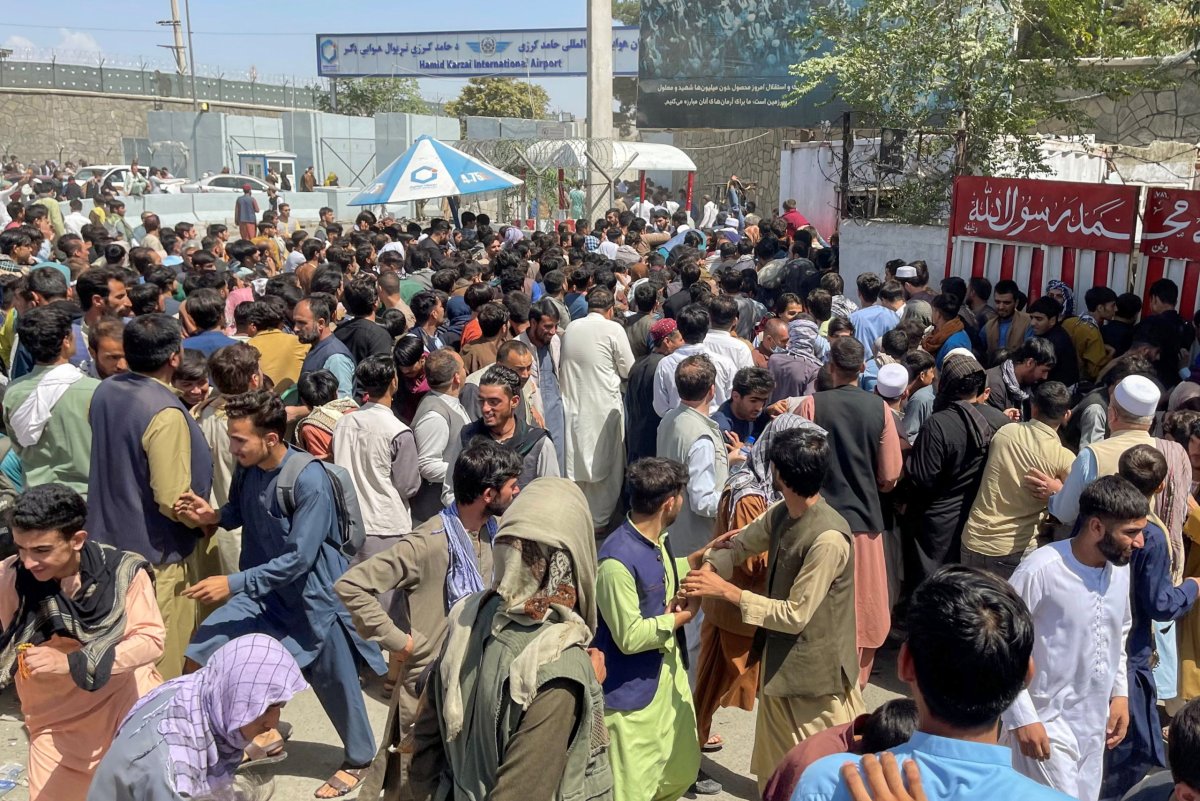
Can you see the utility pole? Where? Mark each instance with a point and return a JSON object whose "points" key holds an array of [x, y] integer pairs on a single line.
{"points": [[600, 100], [187, 10], [176, 49]]}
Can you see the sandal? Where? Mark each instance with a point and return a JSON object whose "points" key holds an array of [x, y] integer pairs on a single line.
{"points": [[715, 743], [340, 786], [269, 752]]}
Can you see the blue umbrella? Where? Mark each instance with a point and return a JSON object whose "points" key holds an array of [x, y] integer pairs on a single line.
{"points": [[430, 169]]}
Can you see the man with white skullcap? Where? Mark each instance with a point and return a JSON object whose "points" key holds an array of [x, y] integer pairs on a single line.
{"points": [[1130, 415], [891, 385]]}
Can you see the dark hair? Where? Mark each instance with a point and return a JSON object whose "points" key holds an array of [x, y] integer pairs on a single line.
{"points": [[599, 299], [1127, 365], [694, 377], [144, 298], [544, 308], [1052, 399], [890, 725], [232, 367], [407, 351], [868, 287], [49, 507], [518, 305], [839, 324], [1112, 498], [500, 376], [693, 322], [981, 287], [483, 465], [42, 330], [206, 307], [650, 482], [476, 295], [422, 304], [374, 375], [749, 380], [361, 297], [93, 283], [1009, 287], [1145, 467], [894, 343], [317, 388], [970, 637], [1040, 349], [322, 307], [1183, 746], [833, 283], [801, 458], [1097, 296], [193, 366], [1046, 305], [948, 304], [49, 282], [820, 304], [846, 355], [722, 311], [264, 409], [150, 341], [1128, 305], [492, 319], [1165, 290], [326, 280]]}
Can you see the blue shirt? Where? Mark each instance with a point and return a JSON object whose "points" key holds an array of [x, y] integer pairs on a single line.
{"points": [[208, 342], [726, 420], [959, 339], [870, 324], [951, 770], [1064, 504]]}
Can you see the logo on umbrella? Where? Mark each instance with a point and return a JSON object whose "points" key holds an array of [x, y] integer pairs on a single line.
{"points": [[424, 175]]}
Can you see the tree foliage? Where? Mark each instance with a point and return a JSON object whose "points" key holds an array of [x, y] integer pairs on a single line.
{"points": [[366, 97], [500, 97], [973, 81]]}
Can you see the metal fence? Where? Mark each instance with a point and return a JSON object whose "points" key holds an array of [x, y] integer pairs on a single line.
{"points": [[153, 83]]}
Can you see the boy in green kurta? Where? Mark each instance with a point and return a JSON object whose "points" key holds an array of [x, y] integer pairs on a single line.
{"points": [[651, 720], [46, 411]]}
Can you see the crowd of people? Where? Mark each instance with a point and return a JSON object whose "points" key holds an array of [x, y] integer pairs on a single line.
{"points": [[570, 492]]}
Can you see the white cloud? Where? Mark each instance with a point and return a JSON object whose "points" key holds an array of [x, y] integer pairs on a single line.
{"points": [[69, 42], [19, 43], [77, 40]]}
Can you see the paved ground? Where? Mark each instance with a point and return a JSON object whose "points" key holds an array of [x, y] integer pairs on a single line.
{"points": [[314, 752]]}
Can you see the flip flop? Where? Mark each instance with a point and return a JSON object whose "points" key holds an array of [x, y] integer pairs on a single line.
{"points": [[354, 777], [714, 744]]}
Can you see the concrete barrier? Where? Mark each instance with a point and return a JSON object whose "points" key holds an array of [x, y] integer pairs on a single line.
{"points": [[869, 244]]}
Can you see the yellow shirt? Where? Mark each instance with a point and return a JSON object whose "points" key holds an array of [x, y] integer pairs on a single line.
{"points": [[1005, 516]]}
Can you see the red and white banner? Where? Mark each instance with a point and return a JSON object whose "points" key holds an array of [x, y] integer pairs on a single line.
{"points": [[1032, 231], [1171, 244]]}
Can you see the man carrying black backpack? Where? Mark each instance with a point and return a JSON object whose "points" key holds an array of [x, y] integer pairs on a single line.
{"points": [[292, 553]]}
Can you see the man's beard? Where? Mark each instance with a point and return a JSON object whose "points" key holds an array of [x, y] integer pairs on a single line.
{"points": [[1113, 551], [497, 507], [307, 338]]}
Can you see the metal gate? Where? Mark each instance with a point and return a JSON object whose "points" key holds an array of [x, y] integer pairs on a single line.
{"points": [[1170, 245], [1032, 231]]}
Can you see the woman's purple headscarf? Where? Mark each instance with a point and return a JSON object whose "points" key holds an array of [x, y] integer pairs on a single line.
{"points": [[202, 722], [512, 235]]}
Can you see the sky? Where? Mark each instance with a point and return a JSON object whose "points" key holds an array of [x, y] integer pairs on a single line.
{"points": [[276, 39]]}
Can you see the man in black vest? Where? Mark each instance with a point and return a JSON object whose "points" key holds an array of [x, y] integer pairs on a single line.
{"points": [[147, 451], [866, 461], [806, 625]]}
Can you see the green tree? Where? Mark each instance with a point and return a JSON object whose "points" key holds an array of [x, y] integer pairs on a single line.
{"points": [[970, 82], [500, 97], [625, 87], [366, 97]]}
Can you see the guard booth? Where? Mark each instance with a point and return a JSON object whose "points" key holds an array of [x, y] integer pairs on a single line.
{"points": [[260, 163]]}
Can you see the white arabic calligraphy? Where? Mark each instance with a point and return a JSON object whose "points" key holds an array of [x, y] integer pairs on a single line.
{"points": [[1014, 212]]}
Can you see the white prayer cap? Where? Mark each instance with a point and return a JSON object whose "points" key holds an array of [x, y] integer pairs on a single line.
{"points": [[906, 271], [1137, 396], [893, 379], [959, 352]]}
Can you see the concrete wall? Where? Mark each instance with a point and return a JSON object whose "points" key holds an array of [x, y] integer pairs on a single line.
{"points": [[867, 246], [394, 133], [64, 126], [332, 143], [213, 139]]}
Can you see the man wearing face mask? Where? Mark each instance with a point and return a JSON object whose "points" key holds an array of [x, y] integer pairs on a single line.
{"points": [[774, 339]]}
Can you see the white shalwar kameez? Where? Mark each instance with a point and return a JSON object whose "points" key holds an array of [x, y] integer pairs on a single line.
{"points": [[1081, 619], [595, 359]]}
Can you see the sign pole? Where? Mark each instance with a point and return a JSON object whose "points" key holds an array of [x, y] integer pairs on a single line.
{"points": [[600, 98]]}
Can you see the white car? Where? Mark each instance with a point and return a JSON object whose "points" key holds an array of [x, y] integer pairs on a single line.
{"points": [[225, 183], [117, 174]]}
